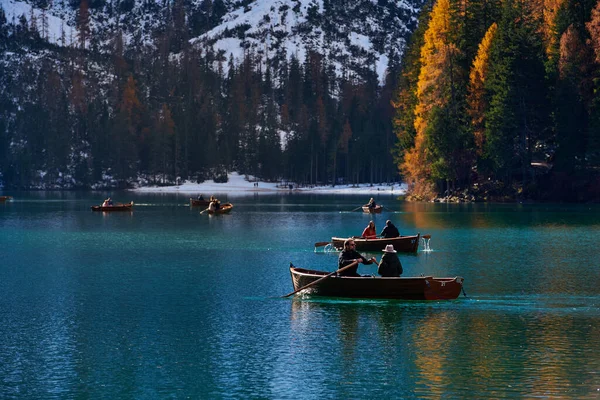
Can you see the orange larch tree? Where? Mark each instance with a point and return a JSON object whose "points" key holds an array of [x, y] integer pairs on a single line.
{"points": [[476, 97], [436, 155]]}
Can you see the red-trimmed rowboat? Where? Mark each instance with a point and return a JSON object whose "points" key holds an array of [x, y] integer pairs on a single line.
{"points": [[374, 210], [402, 244], [369, 287], [224, 209], [115, 207], [199, 203]]}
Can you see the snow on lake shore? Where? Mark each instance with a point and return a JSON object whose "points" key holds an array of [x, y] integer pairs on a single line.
{"points": [[238, 185]]}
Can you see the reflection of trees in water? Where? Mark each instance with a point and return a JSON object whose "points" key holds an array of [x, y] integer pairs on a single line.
{"points": [[433, 357], [354, 331], [543, 355], [429, 350], [562, 351], [474, 215]]}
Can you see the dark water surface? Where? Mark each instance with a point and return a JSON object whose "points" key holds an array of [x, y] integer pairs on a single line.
{"points": [[165, 302]]}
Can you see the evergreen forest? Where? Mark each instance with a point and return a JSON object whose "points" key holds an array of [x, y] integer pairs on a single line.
{"points": [[492, 100], [499, 100], [82, 116]]}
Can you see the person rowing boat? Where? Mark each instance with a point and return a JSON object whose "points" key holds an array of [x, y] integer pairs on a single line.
{"points": [[349, 255]]}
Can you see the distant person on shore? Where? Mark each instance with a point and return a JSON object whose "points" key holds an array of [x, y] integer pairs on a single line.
{"points": [[350, 255], [369, 232], [389, 231], [390, 264]]}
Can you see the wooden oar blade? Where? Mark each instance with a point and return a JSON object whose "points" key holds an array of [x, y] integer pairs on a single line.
{"points": [[321, 244]]}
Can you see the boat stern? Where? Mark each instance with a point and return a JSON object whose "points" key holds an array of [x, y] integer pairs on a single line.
{"points": [[443, 288]]}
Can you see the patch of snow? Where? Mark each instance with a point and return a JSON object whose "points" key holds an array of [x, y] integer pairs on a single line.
{"points": [[238, 184], [56, 26]]}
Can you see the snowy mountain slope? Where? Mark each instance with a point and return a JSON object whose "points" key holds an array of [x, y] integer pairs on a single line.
{"points": [[59, 22], [357, 36]]}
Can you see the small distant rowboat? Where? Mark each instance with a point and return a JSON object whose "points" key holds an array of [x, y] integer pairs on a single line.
{"points": [[4, 198], [199, 203], [115, 207], [372, 210], [369, 287], [402, 244], [224, 209]]}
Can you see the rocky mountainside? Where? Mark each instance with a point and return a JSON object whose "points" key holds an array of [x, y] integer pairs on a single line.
{"points": [[103, 93], [355, 35]]}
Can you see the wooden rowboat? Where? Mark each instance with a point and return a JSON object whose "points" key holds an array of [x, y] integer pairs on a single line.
{"points": [[199, 203], [4, 198], [402, 244], [224, 209], [115, 207], [369, 287], [374, 210]]}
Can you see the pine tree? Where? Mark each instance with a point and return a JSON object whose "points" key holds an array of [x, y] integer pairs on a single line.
{"points": [[344, 145], [3, 29], [34, 31], [126, 132], [162, 145], [269, 142], [405, 98], [440, 151], [593, 147], [571, 114], [83, 24], [476, 98], [44, 24], [517, 119]]}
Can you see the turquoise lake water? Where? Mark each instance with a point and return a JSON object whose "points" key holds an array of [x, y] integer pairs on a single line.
{"points": [[168, 303]]}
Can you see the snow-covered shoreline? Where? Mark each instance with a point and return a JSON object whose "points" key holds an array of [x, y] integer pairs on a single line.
{"points": [[237, 184]]}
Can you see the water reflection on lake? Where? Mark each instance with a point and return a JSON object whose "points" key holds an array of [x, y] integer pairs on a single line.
{"points": [[165, 302]]}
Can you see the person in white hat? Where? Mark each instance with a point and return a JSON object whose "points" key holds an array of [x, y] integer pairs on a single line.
{"points": [[390, 264]]}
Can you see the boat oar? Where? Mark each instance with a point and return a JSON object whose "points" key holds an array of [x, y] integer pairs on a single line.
{"points": [[357, 208], [320, 279], [321, 244], [426, 236]]}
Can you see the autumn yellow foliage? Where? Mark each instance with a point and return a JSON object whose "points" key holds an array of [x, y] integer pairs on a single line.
{"points": [[477, 76], [437, 56]]}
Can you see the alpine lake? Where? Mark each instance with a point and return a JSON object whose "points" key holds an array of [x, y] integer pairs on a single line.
{"points": [[166, 302]]}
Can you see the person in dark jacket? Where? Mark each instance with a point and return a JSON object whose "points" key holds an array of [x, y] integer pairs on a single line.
{"points": [[371, 204], [390, 264], [390, 230], [348, 256]]}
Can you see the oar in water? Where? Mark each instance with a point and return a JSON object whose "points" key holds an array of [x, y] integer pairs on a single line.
{"points": [[321, 244], [426, 236], [355, 263], [357, 208]]}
